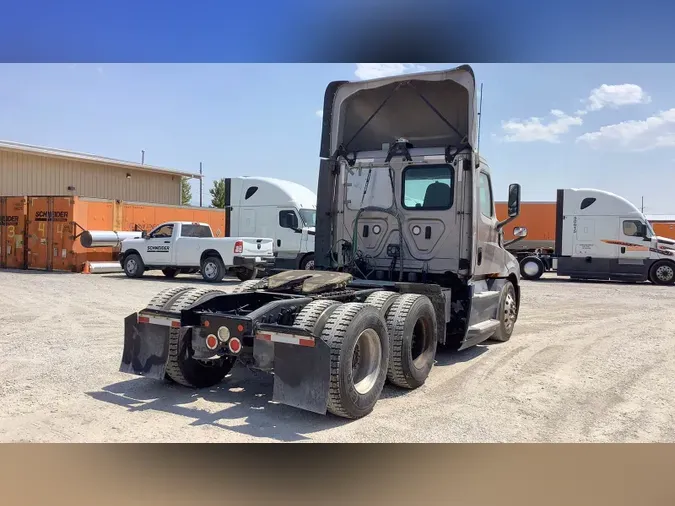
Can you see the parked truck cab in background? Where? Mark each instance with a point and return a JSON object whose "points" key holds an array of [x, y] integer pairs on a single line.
{"points": [[602, 236], [270, 207]]}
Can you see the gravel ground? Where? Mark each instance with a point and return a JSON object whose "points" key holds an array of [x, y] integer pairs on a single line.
{"points": [[588, 362]]}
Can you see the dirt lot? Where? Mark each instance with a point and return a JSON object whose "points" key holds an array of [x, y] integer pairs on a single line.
{"points": [[587, 362]]}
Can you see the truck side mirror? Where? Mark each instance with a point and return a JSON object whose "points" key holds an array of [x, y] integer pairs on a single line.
{"points": [[514, 200], [144, 234], [520, 231]]}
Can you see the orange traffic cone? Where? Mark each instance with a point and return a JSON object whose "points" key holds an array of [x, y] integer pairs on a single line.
{"points": [[86, 269]]}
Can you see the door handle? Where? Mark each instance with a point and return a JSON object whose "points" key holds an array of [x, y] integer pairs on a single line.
{"points": [[623, 249], [167, 242], [480, 256]]}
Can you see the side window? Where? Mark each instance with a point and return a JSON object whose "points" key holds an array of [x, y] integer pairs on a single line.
{"points": [[164, 231], [485, 195], [633, 228], [288, 219], [586, 202], [195, 231], [428, 188], [249, 193]]}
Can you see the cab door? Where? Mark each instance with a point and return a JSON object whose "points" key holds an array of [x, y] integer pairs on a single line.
{"points": [[633, 249], [487, 233], [157, 249]]}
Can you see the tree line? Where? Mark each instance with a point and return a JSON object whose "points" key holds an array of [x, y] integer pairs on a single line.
{"points": [[217, 192]]}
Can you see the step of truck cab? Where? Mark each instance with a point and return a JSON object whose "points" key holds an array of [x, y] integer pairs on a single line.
{"points": [[484, 305], [482, 328]]}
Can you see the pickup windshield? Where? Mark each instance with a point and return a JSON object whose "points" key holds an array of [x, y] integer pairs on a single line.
{"points": [[195, 231], [308, 217]]}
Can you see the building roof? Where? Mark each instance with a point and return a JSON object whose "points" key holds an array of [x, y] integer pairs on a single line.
{"points": [[84, 157]]}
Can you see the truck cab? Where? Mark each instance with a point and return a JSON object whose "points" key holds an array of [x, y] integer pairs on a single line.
{"points": [[277, 208], [602, 236], [409, 256]]}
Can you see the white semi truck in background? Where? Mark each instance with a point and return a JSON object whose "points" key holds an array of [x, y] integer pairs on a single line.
{"points": [[602, 236], [276, 208]]}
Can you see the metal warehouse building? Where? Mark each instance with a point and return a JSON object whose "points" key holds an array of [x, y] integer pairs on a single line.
{"points": [[33, 170]]}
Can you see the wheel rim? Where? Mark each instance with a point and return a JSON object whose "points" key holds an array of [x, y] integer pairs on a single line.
{"points": [[210, 270], [131, 266], [510, 312], [530, 268], [366, 360], [665, 273], [420, 342], [309, 266]]}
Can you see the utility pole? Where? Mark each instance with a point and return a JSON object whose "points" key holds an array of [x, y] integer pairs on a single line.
{"points": [[142, 156], [642, 207], [201, 184]]}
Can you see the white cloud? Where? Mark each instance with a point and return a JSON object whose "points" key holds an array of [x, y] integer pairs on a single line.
{"points": [[319, 113], [636, 135], [534, 129], [616, 95], [375, 70]]}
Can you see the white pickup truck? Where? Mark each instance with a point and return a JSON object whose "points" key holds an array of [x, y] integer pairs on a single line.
{"points": [[184, 247]]}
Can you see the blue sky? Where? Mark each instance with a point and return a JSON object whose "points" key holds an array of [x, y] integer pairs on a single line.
{"points": [[607, 126]]}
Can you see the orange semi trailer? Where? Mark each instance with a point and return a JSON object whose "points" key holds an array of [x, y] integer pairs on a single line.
{"points": [[42, 233]]}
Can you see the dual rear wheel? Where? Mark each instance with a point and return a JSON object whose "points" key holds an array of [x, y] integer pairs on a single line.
{"points": [[389, 337]]}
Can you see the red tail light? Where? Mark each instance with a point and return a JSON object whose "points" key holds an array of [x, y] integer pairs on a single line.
{"points": [[239, 247]]}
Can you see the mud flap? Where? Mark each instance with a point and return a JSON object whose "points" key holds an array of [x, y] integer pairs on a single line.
{"points": [[302, 376], [146, 348]]}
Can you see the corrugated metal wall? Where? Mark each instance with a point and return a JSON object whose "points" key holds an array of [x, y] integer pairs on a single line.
{"points": [[28, 174]]}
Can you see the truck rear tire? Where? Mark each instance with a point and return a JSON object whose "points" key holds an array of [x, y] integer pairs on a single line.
{"points": [[165, 298], [531, 268], [213, 269], [180, 367], [314, 315], [411, 322], [249, 286], [246, 274], [382, 301], [357, 336], [134, 266], [170, 272], [507, 313], [662, 272]]}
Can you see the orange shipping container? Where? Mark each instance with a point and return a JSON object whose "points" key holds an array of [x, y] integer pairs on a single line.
{"points": [[12, 232], [538, 217], [53, 226]]}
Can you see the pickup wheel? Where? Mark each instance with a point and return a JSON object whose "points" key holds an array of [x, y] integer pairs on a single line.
{"points": [[180, 367], [246, 274], [411, 322], [307, 263], [170, 272], [357, 336], [134, 266], [212, 269]]}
